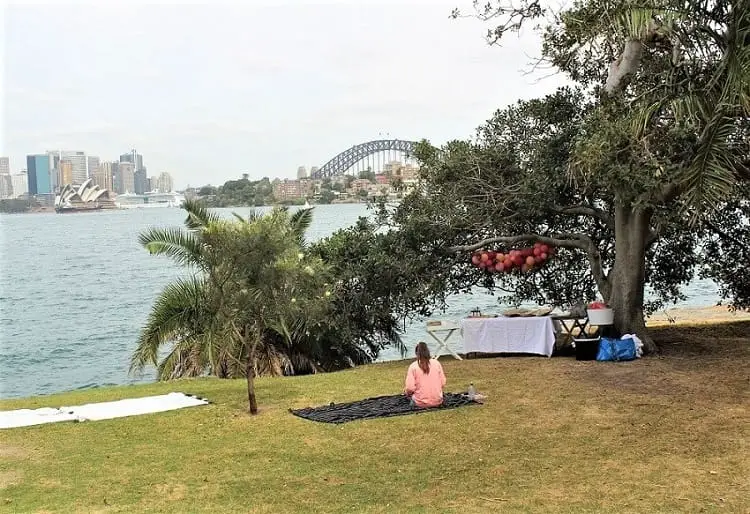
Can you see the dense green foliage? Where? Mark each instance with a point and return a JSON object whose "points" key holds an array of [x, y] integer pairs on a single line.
{"points": [[238, 193], [623, 172], [16, 205], [260, 302]]}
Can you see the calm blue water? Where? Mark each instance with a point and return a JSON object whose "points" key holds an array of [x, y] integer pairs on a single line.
{"points": [[76, 289]]}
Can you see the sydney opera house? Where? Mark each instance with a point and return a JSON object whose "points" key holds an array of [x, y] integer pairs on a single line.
{"points": [[86, 197]]}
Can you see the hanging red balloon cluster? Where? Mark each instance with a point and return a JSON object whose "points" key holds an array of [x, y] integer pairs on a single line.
{"points": [[524, 259]]}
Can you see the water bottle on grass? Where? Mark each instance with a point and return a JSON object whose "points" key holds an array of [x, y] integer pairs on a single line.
{"points": [[472, 391]]}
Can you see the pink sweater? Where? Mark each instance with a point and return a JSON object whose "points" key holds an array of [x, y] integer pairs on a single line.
{"points": [[425, 388]]}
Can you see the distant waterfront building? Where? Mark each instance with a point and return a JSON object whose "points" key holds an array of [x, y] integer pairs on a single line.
{"points": [[92, 165], [140, 181], [20, 183], [6, 186], [313, 171], [104, 176], [126, 171], [286, 190], [38, 169], [78, 160], [66, 173], [54, 169], [134, 158], [164, 183], [301, 172]]}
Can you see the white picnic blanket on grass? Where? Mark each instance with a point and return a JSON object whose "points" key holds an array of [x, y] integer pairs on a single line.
{"points": [[99, 411]]}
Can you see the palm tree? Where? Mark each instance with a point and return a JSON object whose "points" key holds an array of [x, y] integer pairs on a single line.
{"points": [[707, 89], [250, 306]]}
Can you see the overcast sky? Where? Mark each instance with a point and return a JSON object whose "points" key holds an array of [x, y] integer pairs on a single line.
{"points": [[210, 92]]}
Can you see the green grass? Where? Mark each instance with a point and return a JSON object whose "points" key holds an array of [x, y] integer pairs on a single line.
{"points": [[664, 434]]}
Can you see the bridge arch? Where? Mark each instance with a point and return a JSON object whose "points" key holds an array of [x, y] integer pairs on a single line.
{"points": [[348, 158]]}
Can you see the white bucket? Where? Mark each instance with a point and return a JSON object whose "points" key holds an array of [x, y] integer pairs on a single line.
{"points": [[601, 316]]}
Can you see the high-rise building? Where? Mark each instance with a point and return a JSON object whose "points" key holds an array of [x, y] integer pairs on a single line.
{"points": [[77, 159], [6, 186], [313, 171], [66, 173], [54, 169], [164, 183], [117, 178], [20, 184], [134, 158], [92, 165], [126, 171], [38, 167], [104, 176], [301, 172], [140, 181]]}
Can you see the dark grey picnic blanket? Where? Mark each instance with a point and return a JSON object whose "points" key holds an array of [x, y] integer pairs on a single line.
{"points": [[378, 407]]}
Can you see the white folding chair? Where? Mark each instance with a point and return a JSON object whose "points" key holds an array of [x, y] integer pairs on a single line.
{"points": [[443, 326]]}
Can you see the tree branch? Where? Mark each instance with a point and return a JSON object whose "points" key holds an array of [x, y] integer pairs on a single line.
{"points": [[578, 241], [561, 240], [582, 210]]}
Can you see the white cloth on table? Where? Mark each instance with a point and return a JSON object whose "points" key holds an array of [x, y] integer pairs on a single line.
{"points": [[509, 335]]}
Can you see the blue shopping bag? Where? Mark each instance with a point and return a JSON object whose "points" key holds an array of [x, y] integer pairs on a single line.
{"points": [[616, 349]]}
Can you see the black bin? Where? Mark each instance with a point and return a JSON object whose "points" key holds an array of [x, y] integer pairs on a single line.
{"points": [[587, 349]]}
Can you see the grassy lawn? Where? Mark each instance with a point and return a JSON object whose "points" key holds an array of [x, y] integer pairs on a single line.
{"points": [[664, 434]]}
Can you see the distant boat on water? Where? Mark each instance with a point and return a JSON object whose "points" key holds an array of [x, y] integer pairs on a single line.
{"points": [[149, 200]]}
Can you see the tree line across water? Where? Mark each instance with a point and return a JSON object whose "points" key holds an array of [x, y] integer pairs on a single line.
{"points": [[638, 173]]}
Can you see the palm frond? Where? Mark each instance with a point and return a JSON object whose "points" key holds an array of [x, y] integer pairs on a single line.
{"points": [[179, 312], [182, 247], [199, 215], [712, 174]]}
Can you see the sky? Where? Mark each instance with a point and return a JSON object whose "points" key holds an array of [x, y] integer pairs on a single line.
{"points": [[208, 92]]}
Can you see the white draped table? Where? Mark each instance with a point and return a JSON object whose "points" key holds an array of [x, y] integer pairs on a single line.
{"points": [[509, 335]]}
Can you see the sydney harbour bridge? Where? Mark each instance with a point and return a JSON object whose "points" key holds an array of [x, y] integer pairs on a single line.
{"points": [[373, 156]]}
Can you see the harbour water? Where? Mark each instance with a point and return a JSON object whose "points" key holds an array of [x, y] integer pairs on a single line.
{"points": [[75, 291]]}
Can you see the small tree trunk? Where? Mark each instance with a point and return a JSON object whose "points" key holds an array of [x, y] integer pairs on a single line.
{"points": [[628, 275], [250, 371]]}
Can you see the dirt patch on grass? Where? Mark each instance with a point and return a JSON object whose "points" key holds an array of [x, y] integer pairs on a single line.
{"points": [[12, 452], [9, 478], [171, 492], [706, 361]]}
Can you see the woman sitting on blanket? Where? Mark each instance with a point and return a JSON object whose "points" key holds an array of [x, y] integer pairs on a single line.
{"points": [[425, 379]]}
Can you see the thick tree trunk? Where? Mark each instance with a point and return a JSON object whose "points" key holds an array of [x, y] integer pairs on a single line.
{"points": [[627, 277], [250, 371]]}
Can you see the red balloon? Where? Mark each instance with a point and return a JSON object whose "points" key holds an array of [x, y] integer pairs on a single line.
{"points": [[475, 259], [484, 256], [543, 256], [517, 260], [544, 248], [499, 257], [537, 251], [499, 266], [538, 259], [530, 261], [491, 255]]}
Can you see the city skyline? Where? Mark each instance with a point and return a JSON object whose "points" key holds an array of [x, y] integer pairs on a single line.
{"points": [[263, 90]]}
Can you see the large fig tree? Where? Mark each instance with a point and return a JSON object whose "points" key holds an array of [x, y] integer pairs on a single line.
{"points": [[624, 171]]}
